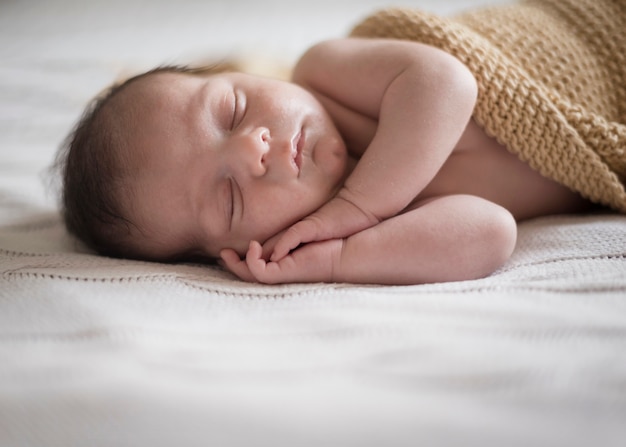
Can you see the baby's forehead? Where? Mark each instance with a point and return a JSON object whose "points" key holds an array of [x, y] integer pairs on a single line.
{"points": [[154, 85], [148, 99], [166, 77]]}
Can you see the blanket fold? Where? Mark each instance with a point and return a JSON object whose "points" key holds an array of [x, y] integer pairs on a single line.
{"points": [[552, 82]]}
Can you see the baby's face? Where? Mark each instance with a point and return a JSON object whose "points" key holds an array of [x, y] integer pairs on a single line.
{"points": [[224, 159]]}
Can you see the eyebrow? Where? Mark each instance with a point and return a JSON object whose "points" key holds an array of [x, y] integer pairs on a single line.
{"points": [[200, 101]]}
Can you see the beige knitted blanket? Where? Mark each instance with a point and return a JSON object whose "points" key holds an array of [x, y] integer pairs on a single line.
{"points": [[552, 82]]}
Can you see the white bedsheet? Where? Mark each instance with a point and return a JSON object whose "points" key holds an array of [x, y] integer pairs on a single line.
{"points": [[102, 352]]}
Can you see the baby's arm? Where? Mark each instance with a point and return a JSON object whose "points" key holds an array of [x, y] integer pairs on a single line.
{"points": [[422, 99], [446, 239]]}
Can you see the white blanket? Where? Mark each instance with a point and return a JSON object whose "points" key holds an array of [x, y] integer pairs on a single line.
{"points": [[103, 352]]}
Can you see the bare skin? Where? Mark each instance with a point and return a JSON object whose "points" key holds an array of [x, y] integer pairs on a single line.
{"points": [[441, 154], [478, 166], [481, 166], [392, 184]]}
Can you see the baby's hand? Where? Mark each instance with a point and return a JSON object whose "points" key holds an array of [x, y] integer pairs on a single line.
{"points": [[316, 262], [338, 218]]}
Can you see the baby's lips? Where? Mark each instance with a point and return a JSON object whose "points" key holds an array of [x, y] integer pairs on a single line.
{"points": [[297, 143]]}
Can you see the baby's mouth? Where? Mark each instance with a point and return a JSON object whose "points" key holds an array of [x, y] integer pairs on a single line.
{"points": [[297, 143]]}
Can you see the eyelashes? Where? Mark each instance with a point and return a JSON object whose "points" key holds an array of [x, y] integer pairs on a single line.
{"points": [[231, 203], [234, 117], [239, 109]]}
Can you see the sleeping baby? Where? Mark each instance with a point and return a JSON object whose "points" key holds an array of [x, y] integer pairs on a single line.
{"points": [[371, 165]]}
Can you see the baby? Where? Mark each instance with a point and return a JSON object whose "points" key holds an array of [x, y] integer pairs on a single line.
{"points": [[366, 168]]}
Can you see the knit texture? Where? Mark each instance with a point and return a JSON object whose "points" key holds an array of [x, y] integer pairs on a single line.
{"points": [[552, 82]]}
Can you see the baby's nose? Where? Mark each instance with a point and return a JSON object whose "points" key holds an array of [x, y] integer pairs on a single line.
{"points": [[253, 149]]}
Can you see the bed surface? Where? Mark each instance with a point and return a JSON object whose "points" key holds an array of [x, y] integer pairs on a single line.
{"points": [[103, 352]]}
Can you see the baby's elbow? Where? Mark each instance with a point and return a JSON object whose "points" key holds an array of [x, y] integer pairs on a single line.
{"points": [[498, 236]]}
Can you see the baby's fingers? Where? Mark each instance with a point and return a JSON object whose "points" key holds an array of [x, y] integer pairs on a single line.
{"points": [[255, 261], [265, 272], [290, 240], [230, 259]]}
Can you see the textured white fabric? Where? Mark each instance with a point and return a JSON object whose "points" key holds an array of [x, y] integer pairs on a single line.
{"points": [[102, 352]]}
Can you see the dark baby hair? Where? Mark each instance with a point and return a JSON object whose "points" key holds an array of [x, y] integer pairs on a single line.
{"points": [[93, 169]]}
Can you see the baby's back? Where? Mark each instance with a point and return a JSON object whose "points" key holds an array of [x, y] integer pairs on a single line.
{"points": [[481, 166]]}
